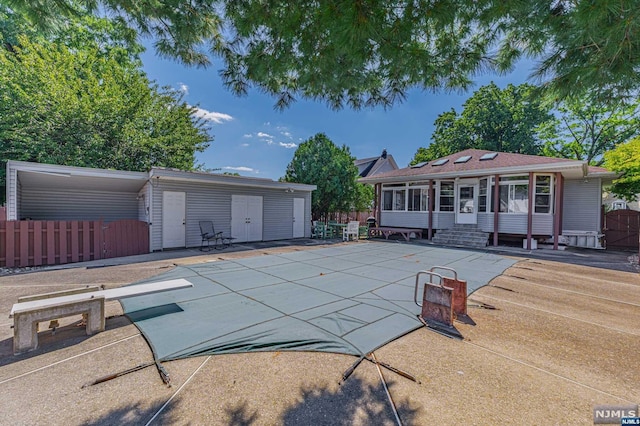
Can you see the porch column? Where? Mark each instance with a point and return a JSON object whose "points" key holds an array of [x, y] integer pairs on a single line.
{"points": [[378, 198], [496, 208], [557, 209], [430, 200], [530, 210]]}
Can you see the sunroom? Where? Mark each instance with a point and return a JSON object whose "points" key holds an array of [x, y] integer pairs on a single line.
{"points": [[499, 193]]}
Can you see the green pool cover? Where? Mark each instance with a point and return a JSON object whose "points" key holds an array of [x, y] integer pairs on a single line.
{"points": [[349, 299]]}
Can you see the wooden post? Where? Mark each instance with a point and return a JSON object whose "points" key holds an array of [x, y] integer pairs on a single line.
{"points": [[496, 208], [431, 199], [557, 212], [530, 210], [379, 203]]}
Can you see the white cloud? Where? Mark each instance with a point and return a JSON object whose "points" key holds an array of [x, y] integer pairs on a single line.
{"points": [[287, 145], [216, 117], [183, 88], [286, 134], [264, 135], [240, 169], [244, 144], [247, 135]]}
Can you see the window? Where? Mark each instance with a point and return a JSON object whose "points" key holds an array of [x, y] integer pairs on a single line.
{"points": [[463, 159], [393, 197], [440, 162], [513, 194], [514, 198], [543, 194], [482, 196], [418, 199], [489, 156], [618, 205], [387, 200], [446, 196]]}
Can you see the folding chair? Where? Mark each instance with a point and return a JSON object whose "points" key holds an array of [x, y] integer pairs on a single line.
{"points": [[208, 233]]}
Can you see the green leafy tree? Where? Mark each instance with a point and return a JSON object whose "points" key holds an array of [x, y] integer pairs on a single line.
{"points": [[625, 159], [365, 53], [181, 30], [318, 161], [585, 128], [82, 108], [493, 119], [111, 38]]}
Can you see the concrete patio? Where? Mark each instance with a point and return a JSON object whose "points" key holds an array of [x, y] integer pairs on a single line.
{"points": [[562, 339]]}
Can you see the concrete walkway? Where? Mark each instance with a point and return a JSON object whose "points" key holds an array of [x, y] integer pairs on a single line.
{"points": [[562, 339]]}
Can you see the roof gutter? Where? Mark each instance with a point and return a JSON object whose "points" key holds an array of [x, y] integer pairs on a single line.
{"points": [[155, 174], [478, 172]]}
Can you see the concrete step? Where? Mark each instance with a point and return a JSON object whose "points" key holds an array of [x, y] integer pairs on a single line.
{"points": [[462, 236]]}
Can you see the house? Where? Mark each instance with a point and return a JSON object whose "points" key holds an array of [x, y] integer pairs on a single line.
{"points": [[498, 193], [375, 165], [611, 202], [171, 201]]}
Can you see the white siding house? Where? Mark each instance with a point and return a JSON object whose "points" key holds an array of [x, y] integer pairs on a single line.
{"points": [[170, 201], [496, 192]]}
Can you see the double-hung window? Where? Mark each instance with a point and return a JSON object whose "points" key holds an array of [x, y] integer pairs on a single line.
{"points": [[394, 196], [418, 197], [543, 195], [446, 196], [513, 194], [482, 196]]}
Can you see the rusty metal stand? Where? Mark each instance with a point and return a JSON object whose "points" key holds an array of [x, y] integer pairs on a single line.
{"points": [[437, 305]]}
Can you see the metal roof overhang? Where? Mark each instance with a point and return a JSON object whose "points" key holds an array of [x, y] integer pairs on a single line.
{"points": [[212, 178], [572, 170], [47, 176]]}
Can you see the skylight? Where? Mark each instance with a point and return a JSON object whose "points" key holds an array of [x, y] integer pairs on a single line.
{"points": [[417, 166], [440, 162], [463, 159], [489, 156]]}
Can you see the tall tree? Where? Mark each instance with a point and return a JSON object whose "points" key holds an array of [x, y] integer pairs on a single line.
{"points": [[625, 159], [584, 128], [493, 119], [83, 108], [366, 53], [109, 37], [318, 161]]}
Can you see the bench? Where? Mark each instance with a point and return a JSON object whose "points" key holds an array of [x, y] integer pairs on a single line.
{"points": [[389, 230], [89, 301]]}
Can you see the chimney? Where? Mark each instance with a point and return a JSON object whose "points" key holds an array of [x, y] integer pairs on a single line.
{"points": [[384, 153]]}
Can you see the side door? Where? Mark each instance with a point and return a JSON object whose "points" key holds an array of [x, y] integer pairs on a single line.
{"points": [[239, 218], [298, 217], [174, 219], [254, 214], [467, 203]]}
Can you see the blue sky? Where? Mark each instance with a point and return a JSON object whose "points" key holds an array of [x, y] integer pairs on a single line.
{"points": [[253, 139]]}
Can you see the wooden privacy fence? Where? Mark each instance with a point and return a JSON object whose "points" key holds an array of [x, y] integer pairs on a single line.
{"points": [[621, 229], [39, 243]]}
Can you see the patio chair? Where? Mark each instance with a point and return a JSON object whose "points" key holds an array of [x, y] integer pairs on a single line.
{"points": [[317, 229], [208, 233], [351, 230]]}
